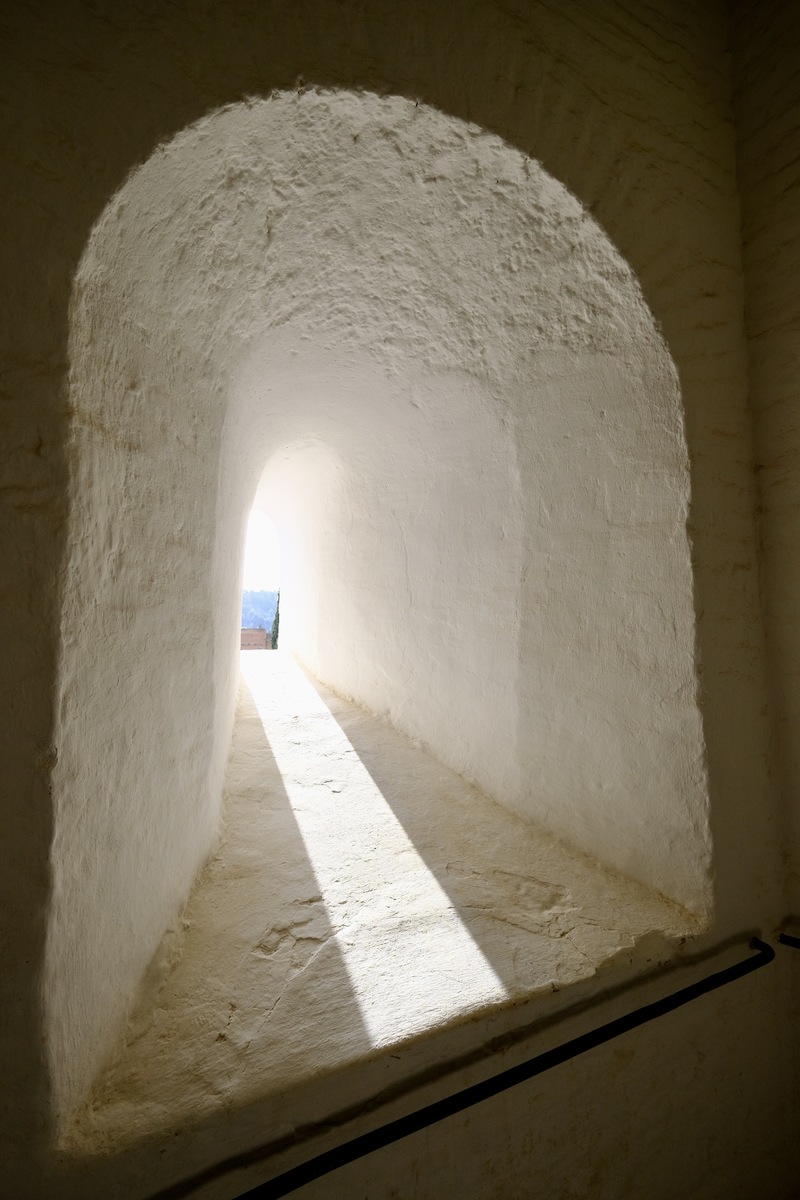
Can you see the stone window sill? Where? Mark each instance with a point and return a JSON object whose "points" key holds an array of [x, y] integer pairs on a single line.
{"points": [[368, 915]]}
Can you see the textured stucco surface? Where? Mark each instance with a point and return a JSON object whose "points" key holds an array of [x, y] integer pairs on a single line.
{"points": [[369, 278], [364, 899], [501, 569], [629, 108]]}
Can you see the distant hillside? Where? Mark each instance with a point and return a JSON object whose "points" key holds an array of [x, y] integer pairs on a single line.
{"points": [[258, 609]]}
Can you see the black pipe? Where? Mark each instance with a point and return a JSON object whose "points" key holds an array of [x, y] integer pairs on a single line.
{"points": [[393, 1131], [787, 939]]}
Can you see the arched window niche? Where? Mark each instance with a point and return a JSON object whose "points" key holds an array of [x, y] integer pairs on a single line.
{"points": [[420, 341]]}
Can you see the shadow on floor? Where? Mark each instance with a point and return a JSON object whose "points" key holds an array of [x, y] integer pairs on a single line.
{"points": [[499, 873], [257, 1009]]}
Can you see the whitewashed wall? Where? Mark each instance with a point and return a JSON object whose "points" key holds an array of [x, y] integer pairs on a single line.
{"points": [[630, 110], [506, 571]]}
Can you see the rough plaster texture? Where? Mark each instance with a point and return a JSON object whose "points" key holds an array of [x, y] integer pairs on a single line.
{"points": [[587, 1130], [500, 571], [627, 106], [363, 885], [368, 277]]}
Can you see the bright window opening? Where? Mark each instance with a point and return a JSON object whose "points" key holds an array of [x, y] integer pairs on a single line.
{"points": [[261, 584]]}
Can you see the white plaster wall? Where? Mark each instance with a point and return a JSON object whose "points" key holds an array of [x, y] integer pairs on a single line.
{"points": [[368, 273], [629, 107], [468, 549], [498, 578]]}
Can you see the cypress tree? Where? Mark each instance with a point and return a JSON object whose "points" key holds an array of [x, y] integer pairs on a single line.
{"points": [[276, 622]]}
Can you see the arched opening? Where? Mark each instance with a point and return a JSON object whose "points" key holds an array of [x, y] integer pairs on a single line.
{"points": [[476, 431]]}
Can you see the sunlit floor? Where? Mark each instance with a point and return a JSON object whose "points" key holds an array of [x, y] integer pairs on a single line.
{"points": [[363, 898]]}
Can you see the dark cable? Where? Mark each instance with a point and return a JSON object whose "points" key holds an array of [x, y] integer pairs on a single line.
{"points": [[393, 1131], [789, 940]]}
